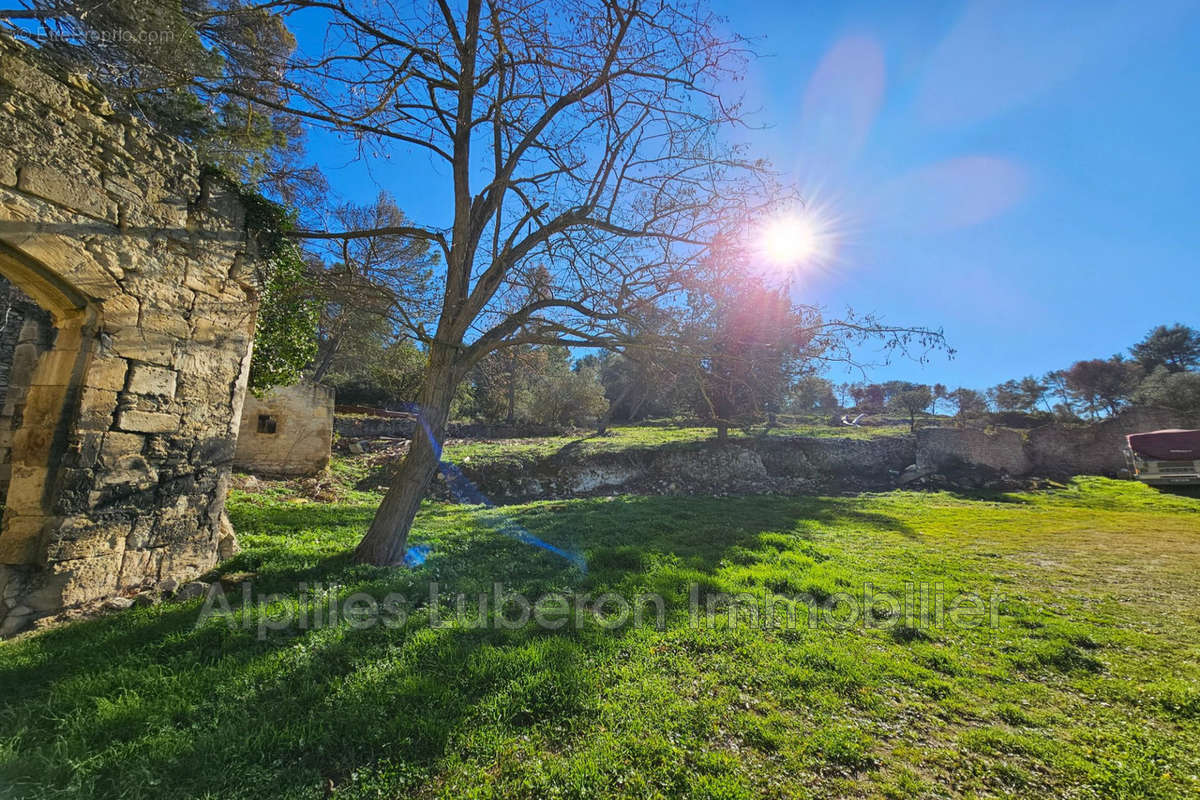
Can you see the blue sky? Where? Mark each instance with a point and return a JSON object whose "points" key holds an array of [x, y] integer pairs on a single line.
{"points": [[1025, 175]]}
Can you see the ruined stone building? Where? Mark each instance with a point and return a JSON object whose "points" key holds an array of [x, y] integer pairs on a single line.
{"points": [[127, 321], [288, 432]]}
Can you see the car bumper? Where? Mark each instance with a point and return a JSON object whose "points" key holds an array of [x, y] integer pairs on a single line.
{"points": [[1169, 480]]}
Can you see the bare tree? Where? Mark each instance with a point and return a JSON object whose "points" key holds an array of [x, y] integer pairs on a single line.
{"points": [[582, 136], [582, 143]]}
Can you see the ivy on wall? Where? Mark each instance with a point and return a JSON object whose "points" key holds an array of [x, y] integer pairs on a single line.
{"points": [[285, 338]]}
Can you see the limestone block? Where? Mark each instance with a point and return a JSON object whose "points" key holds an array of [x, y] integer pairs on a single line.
{"points": [[21, 541], [88, 578], [28, 80], [147, 421], [139, 345], [120, 311], [140, 566], [107, 373], [56, 366], [171, 323], [227, 543], [96, 408], [123, 188], [86, 448], [146, 379], [131, 470], [68, 191], [117, 445], [79, 537], [8, 169]]}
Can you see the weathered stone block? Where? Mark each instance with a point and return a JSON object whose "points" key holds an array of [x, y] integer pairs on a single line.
{"points": [[8, 169], [116, 445], [21, 541], [82, 538], [88, 578], [146, 379], [51, 184], [107, 373], [147, 421], [96, 408], [139, 345]]}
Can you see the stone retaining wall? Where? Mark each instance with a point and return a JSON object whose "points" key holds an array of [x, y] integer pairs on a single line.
{"points": [[939, 457], [1056, 451]]}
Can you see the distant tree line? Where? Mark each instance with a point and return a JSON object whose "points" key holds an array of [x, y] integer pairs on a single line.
{"points": [[1162, 370]]}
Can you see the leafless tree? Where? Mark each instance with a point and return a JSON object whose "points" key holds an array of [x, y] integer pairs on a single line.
{"points": [[584, 147], [585, 137]]}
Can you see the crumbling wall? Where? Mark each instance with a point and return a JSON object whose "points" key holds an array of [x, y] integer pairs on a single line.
{"points": [[1096, 448], [952, 449], [121, 460], [1056, 451], [288, 432]]}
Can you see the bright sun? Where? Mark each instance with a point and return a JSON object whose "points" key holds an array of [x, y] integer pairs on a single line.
{"points": [[791, 240]]}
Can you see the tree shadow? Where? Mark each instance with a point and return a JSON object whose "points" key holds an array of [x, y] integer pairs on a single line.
{"points": [[220, 709]]}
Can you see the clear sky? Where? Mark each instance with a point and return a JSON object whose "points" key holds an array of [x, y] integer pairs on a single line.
{"points": [[1024, 174]]}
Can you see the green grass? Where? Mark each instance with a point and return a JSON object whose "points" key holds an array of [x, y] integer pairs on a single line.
{"points": [[1088, 686]]}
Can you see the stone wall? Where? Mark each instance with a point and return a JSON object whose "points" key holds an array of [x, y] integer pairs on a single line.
{"points": [[121, 459], [742, 466], [288, 432], [935, 457], [1095, 449], [1055, 451], [953, 449]]}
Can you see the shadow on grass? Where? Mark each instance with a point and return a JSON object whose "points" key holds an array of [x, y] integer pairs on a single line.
{"points": [[147, 703]]}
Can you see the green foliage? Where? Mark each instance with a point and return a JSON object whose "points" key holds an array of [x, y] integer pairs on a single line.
{"points": [[1102, 385], [968, 403], [372, 371], [285, 338], [188, 68], [1175, 348], [912, 401], [742, 347], [1177, 391], [538, 385], [810, 393], [285, 335]]}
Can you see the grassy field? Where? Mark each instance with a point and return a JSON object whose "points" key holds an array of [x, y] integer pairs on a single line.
{"points": [[1086, 684]]}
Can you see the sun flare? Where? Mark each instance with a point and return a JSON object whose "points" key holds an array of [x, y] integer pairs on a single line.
{"points": [[792, 240]]}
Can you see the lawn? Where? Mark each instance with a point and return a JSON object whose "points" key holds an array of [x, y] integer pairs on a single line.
{"points": [[1085, 683]]}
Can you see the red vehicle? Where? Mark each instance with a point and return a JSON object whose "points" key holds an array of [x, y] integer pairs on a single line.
{"points": [[1169, 457]]}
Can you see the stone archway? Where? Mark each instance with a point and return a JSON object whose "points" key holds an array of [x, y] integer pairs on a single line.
{"points": [[120, 461]]}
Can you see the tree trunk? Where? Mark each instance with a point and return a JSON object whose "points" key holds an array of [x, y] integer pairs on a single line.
{"points": [[386, 541]]}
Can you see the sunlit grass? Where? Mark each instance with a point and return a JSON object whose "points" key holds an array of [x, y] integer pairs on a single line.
{"points": [[1088, 686]]}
